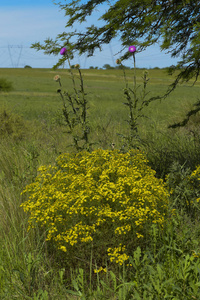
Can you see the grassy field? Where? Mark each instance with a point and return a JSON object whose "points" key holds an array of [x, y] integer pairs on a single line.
{"points": [[32, 134], [34, 98], [34, 94]]}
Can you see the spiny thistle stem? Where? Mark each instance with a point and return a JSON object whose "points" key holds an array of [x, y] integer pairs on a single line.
{"points": [[75, 108]]}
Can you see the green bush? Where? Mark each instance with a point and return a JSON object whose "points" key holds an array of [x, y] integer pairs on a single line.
{"points": [[5, 85], [102, 202], [12, 125]]}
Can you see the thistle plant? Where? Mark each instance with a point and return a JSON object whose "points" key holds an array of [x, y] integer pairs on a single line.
{"points": [[136, 101], [75, 109]]}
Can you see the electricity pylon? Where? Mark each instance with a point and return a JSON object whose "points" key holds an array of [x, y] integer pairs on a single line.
{"points": [[20, 47]]}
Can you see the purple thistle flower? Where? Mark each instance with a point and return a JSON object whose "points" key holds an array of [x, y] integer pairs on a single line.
{"points": [[132, 49], [63, 51]]}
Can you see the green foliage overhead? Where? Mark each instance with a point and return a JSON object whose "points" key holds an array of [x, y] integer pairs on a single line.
{"points": [[173, 23]]}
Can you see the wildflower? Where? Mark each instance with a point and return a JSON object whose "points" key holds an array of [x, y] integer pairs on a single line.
{"points": [[63, 248], [77, 66], [63, 51], [118, 61], [101, 269], [132, 49], [57, 78], [86, 198], [195, 254]]}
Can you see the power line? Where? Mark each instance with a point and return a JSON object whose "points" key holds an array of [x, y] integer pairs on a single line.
{"points": [[15, 65]]}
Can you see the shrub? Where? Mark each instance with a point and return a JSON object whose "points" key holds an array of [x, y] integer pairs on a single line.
{"points": [[12, 125], [5, 85], [103, 201]]}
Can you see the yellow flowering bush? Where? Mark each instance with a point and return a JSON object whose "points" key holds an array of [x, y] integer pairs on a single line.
{"points": [[104, 201]]}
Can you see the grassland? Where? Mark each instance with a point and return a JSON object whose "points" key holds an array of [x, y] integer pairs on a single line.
{"points": [[32, 134], [34, 94], [34, 98]]}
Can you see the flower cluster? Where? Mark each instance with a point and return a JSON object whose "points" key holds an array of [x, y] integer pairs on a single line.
{"points": [[103, 199], [101, 269], [118, 254]]}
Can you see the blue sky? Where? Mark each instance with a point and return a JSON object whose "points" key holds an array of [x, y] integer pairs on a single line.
{"points": [[24, 22], [26, 3]]}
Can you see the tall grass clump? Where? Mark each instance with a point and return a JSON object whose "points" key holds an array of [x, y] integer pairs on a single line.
{"points": [[25, 270], [184, 186], [166, 147]]}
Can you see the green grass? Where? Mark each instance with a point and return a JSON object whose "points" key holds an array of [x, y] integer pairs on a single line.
{"points": [[33, 136], [35, 99], [35, 95]]}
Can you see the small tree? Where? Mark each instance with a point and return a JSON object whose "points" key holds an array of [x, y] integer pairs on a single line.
{"points": [[107, 67]]}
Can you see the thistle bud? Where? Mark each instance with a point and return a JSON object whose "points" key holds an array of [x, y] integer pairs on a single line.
{"points": [[57, 78], [118, 61]]}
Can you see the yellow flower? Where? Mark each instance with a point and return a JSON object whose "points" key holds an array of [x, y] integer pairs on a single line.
{"points": [[101, 269], [87, 198]]}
